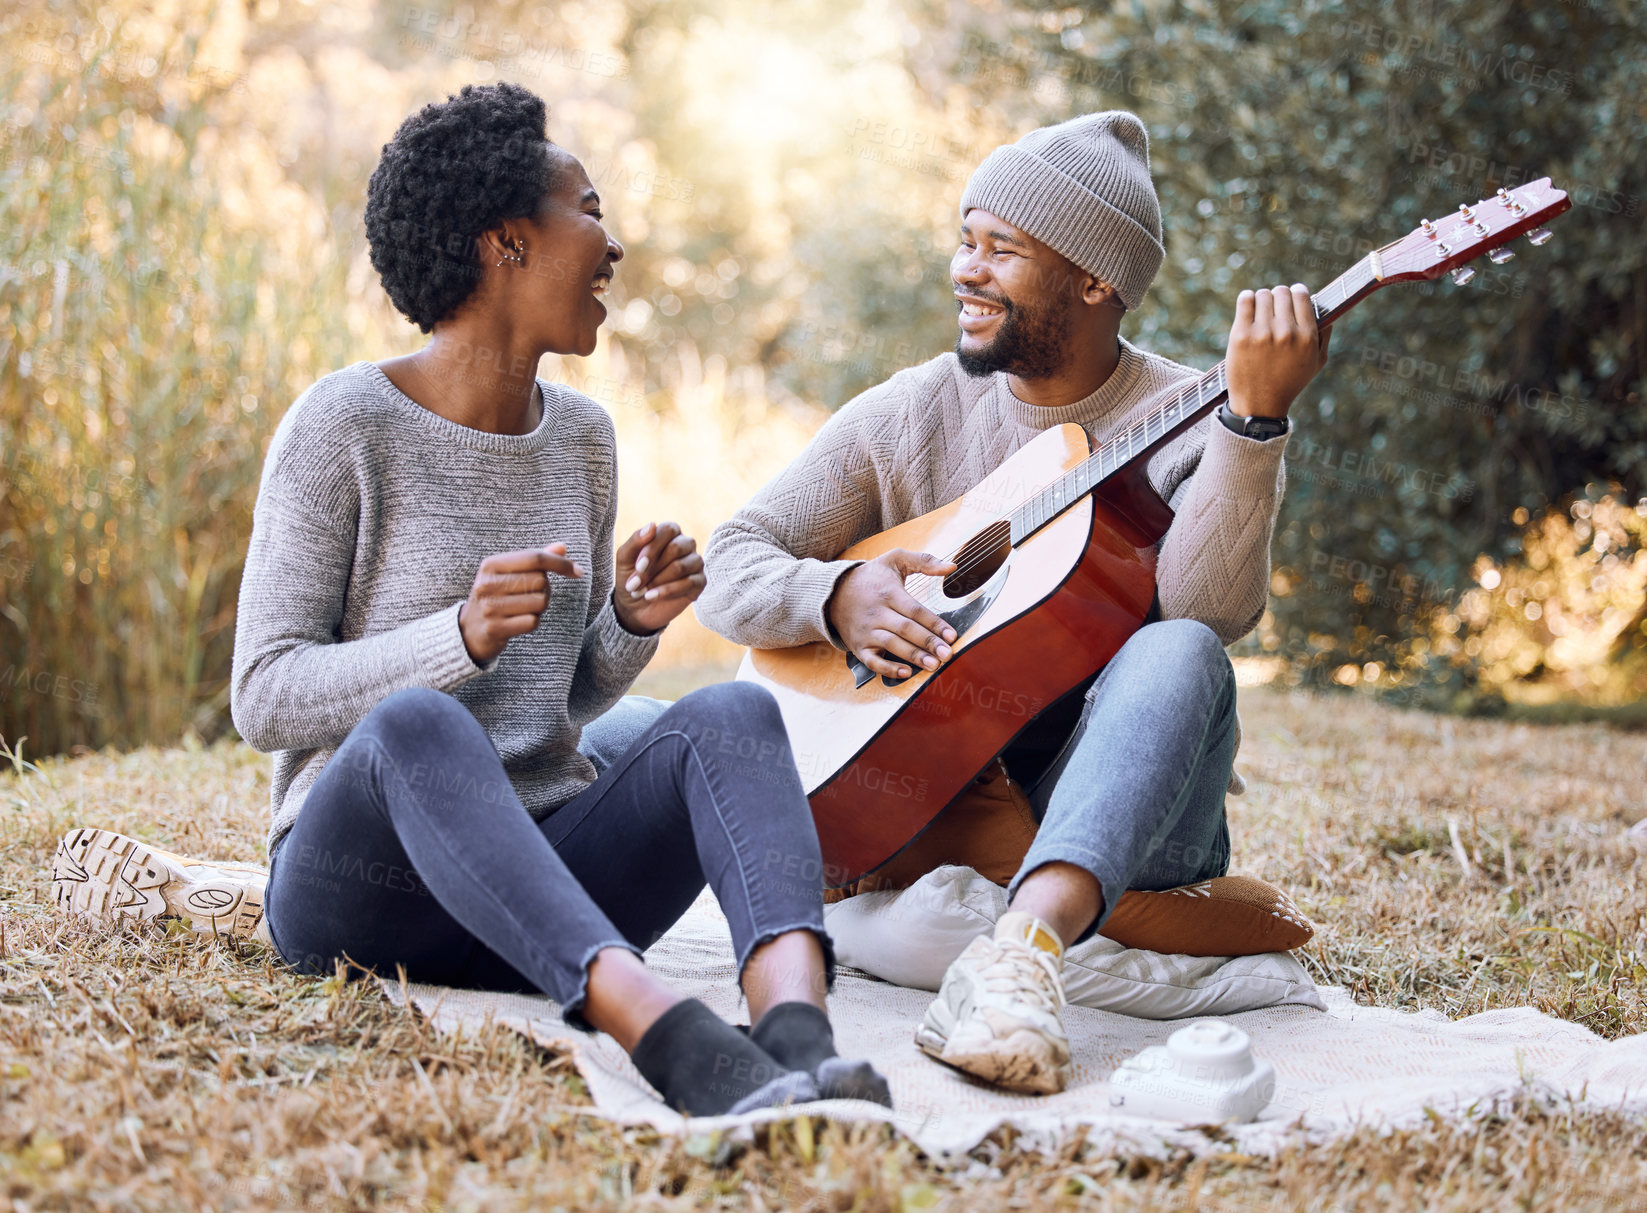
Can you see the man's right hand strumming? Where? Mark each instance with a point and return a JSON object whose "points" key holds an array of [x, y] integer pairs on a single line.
{"points": [[510, 592], [880, 622]]}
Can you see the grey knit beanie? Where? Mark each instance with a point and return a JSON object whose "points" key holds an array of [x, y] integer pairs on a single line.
{"points": [[1083, 188]]}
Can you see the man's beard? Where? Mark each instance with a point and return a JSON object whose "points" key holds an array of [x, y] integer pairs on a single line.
{"points": [[1030, 344]]}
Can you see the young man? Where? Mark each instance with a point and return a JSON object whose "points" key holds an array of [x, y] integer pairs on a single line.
{"points": [[1060, 235]]}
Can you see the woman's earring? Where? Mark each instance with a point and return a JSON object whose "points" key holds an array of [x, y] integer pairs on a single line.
{"points": [[516, 256]]}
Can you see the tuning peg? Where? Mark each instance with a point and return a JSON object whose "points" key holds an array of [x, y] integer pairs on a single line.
{"points": [[1500, 255], [1539, 236], [1462, 275]]}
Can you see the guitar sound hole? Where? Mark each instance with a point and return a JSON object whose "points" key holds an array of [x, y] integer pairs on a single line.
{"points": [[979, 559]]}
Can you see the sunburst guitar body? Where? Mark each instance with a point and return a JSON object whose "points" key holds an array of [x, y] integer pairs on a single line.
{"points": [[879, 760]]}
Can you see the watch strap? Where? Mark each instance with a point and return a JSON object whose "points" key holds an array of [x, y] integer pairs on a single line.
{"points": [[1260, 428]]}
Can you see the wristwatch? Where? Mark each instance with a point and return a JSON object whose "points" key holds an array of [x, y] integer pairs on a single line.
{"points": [[1261, 428]]}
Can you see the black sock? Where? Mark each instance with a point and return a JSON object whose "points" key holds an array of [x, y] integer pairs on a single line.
{"points": [[796, 1034], [701, 1064]]}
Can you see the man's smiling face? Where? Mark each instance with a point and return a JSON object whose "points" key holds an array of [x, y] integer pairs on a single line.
{"points": [[1015, 298]]}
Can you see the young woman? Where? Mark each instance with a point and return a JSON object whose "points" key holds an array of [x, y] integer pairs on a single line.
{"points": [[431, 613]]}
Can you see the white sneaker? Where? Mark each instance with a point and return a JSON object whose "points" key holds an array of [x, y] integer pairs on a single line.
{"points": [[998, 1014], [111, 876]]}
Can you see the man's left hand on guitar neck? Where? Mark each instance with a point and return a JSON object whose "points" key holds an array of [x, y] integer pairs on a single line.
{"points": [[1275, 349]]}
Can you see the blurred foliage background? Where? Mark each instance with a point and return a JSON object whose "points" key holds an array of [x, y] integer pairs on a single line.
{"points": [[181, 253]]}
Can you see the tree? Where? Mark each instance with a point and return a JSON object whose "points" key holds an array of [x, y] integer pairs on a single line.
{"points": [[1287, 143]]}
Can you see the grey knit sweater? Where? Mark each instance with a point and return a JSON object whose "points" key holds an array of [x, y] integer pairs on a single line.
{"points": [[372, 518], [930, 433]]}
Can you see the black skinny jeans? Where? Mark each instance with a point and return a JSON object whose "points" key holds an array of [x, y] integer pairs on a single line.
{"points": [[413, 849]]}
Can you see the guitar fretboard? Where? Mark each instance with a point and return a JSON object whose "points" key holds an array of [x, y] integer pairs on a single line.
{"points": [[1172, 416]]}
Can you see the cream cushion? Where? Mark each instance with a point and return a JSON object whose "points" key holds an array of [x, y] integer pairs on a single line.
{"points": [[910, 936]]}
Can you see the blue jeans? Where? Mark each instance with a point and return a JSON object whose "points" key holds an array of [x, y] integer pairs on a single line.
{"points": [[615, 732], [413, 849], [1136, 797]]}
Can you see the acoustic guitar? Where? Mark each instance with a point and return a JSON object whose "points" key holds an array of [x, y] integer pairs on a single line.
{"points": [[1055, 554]]}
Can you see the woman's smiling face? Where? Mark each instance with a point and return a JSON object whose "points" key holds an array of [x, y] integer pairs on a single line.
{"points": [[568, 261]]}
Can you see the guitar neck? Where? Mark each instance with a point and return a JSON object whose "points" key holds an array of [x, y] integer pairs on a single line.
{"points": [[1172, 417]]}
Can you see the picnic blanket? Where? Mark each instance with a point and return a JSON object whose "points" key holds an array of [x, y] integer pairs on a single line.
{"points": [[1338, 1065]]}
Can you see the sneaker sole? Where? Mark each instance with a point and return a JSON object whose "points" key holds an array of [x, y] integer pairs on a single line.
{"points": [[1021, 1063], [108, 876]]}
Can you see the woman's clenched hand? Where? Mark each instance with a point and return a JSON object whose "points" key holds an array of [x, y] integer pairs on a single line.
{"points": [[510, 593], [660, 573]]}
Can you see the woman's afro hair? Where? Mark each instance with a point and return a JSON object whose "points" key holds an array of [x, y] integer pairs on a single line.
{"points": [[454, 171]]}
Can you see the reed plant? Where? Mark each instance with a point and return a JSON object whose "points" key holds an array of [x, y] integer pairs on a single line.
{"points": [[166, 291], [181, 254], [148, 338]]}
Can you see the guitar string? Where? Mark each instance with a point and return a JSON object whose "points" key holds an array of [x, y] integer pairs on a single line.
{"points": [[1169, 415], [1098, 458], [1326, 307], [921, 583]]}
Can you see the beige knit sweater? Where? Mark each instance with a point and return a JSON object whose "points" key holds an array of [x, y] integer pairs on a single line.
{"points": [[930, 433]]}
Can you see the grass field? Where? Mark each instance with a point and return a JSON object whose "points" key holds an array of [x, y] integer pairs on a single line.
{"points": [[1455, 864]]}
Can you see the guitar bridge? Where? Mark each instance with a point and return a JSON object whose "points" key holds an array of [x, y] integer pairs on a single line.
{"points": [[959, 617]]}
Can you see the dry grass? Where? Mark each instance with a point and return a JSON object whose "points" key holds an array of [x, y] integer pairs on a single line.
{"points": [[1540, 901], [154, 1070]]}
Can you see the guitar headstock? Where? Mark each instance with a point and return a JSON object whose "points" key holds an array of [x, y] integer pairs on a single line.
{"points": [[1433, 248]]}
